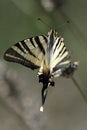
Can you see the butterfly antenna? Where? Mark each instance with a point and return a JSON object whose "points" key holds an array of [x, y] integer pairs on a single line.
{"points": [[67, 22], [42, 21]]}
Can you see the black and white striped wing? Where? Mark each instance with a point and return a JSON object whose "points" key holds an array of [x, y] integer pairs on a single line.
{"points": [[28, 52], [59, 54]]}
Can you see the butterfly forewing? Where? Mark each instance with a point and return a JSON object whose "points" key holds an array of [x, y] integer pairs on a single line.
{"points": [[59, 53], [28, 52]]}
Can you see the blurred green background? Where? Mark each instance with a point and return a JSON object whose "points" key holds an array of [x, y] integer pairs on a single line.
{"points": [[65, 108]]}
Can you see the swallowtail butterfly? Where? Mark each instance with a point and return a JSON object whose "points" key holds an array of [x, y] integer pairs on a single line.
{"points": [[47, 53]]}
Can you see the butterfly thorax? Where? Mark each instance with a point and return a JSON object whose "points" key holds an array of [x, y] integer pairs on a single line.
{"points": [[46, 78]]}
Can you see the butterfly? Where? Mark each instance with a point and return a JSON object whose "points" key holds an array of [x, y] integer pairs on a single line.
{"points": [[48, 54]]}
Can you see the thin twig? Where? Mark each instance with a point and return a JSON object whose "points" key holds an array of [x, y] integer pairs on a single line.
{"points": [[79, 88]]}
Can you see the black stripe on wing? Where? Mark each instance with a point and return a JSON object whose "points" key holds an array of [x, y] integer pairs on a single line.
{"points": [[60, 48], [31, 40], [45, 38], [27, 48], [57, 44], [12, 56], [18, 46], [62, 51], [37, 40]]}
